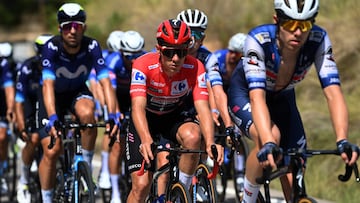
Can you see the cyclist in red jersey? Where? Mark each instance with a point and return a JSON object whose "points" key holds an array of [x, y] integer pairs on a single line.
{"points": [[162, 85]]}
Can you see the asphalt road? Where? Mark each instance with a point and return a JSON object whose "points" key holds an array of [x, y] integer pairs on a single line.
{"points": [[230, 192]]}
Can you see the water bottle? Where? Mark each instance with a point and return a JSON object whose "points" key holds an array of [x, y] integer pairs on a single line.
{"points": [[226, 155]]}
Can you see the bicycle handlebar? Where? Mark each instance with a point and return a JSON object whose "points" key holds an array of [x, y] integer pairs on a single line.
{"points": [[156, 147], [70, 125], [268, 175]]}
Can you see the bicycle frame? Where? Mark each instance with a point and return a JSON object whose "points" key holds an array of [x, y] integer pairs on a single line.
{"points": [[296, 167], [72, 154], [172, 167]]}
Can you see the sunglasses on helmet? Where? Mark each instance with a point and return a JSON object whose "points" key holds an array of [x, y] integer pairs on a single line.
{"points": [[197, 34], [170, 52], [67, 26], [131, 55], [292, 25]]}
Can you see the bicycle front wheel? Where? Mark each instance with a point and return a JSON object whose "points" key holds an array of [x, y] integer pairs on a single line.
{"points": [[84, 189], [178, 194], [206, 188]]}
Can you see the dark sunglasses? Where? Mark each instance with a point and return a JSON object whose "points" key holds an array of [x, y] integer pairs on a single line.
{"points": [[132, 56], [67, 26], [197, 34], [170, 52]]}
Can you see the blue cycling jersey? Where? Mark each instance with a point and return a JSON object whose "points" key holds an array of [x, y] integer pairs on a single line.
{"points": [[70, 72], [29, 80], [262, 60], [6, 79], [211, 64]]}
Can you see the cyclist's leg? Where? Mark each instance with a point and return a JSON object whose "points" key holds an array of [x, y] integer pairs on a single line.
{"points": [[160, 161], [47, 168], [114, 163], [289, 123], [140, 187], [188, 136], [27, 158], [84, 111], [104, 176]]}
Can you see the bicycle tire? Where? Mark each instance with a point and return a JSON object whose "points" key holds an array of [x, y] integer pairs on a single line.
{"points": [[11, 172], [205, 186], [86, 188], [178, 194], [306, 200], [124, 187], [34, 187], [245, 152], [59, 193]]}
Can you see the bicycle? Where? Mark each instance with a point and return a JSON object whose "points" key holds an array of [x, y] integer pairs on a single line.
{"points": [[176, 191], [296, 165], [228, 170], [124, 179], [73, 177]]}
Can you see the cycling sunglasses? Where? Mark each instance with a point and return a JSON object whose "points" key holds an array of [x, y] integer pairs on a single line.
{"points": [[197, 34], [67, 26], [170, 52], [131, 55], [292, 25]]}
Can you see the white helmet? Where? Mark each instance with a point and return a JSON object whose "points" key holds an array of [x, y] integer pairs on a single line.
{"points": [[132, 41], [194, 18], [5, 49], [297, 10], [113, 41], [236, 42]]}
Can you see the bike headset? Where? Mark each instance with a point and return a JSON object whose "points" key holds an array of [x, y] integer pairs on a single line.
{"points": [[113, 41], [40, 41], [132, 41], [237, 42], [5, 49], [71, 12], [173, 32], [296, 10]]}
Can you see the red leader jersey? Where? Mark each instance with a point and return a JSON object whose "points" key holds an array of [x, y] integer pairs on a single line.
{"points": [[165, 94]]}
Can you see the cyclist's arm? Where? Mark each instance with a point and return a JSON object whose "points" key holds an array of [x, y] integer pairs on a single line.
{"points": [[49, 96], [138, 114], [339, 116], [221, 102], [10, 103], [212, 103], [109, 94]]}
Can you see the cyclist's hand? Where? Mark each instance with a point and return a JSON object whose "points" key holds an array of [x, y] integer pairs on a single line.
{"points": [[50, 126], [215, 115], [347, 151], [146, 151], [268, 153], [23, 135], [220, 151], [113, 124]]}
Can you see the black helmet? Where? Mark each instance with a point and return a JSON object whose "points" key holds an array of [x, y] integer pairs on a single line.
{"points": [[71, 12]]}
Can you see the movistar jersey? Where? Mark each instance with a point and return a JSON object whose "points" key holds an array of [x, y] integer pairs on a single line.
{"points": [[6, 78], [70, 71], [29, 79]]}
